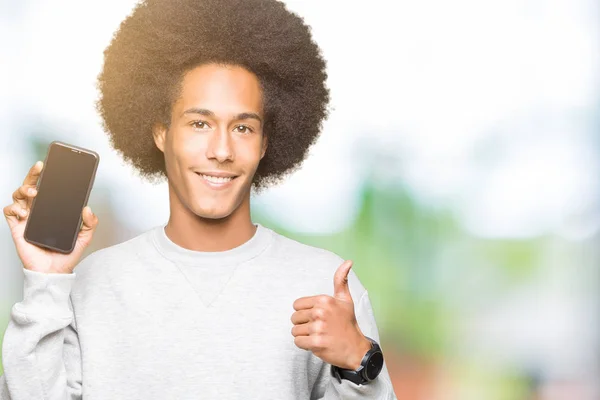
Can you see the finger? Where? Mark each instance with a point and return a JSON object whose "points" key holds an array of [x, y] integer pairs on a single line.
{"points": [[301, 330], [90, 220], [305, 302], [340, 281], [23, 195], [304, 342], [14, 213], [301, 317], [34, 174]]}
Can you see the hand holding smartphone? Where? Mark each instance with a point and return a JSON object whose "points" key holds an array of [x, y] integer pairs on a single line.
{"points": [[49, 225]]}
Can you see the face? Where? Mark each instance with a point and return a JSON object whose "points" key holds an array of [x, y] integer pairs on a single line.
{"points": [[215, 142]]}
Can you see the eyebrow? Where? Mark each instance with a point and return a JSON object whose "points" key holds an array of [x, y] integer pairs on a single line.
{"points": [[208, 113]]}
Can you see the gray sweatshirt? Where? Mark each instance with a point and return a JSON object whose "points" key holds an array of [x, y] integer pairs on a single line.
{"points": [[148, 319]]}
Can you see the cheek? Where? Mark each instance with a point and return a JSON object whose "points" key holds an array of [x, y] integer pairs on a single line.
{"points": [[186, 149], [250, 153]]}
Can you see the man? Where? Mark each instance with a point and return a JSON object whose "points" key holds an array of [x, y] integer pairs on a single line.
{"points": [[219, 97]]}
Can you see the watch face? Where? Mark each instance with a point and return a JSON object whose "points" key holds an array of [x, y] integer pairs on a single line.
{"points": [[374, 365]]}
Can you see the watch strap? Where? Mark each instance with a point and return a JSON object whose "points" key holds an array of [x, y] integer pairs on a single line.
{"points": [[359, 375]]}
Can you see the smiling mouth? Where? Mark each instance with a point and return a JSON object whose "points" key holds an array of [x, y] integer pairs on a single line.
{"points": [[216, 180]]}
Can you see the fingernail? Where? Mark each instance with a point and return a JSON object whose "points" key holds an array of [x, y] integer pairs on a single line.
{"points": [[31, 191], [23, 212]]}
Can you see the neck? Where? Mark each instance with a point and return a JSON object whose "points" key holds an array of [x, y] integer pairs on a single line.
{"points": [[193, 232]]}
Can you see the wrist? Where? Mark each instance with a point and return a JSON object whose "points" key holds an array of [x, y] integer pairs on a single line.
{"points": [[355, 360], [369, 368]]}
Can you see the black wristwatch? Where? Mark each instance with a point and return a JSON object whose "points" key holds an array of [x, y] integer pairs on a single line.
{"points": [[370, 367]]}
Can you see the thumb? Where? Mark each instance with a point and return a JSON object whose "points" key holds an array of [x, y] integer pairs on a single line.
{"points": [[90, 221], [340, 282]]}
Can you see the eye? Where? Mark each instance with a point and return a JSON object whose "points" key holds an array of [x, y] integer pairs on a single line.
{"points": [[199, 124], [246, 129]]}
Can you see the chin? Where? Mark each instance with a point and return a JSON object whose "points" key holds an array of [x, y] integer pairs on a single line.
{"points": [[213, 205], [212, 212]]}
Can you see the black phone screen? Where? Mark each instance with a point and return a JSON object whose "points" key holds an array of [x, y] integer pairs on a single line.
{"points": [[63, 190]]}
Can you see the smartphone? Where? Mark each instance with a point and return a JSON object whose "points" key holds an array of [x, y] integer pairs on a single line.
{"points": [[63, 189]]}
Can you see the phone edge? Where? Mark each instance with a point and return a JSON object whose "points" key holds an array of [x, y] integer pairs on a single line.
{"points": [[89, 189]]}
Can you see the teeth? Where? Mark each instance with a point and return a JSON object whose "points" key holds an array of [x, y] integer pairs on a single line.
{"points": [[215, 179]]}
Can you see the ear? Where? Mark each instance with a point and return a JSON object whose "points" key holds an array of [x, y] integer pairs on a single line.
{"points": [[265, 144], [159, 132]]}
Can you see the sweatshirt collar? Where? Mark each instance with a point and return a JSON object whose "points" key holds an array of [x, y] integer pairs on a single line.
{"points": [[242, 253]]}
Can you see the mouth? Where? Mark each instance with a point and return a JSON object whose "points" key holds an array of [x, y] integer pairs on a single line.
{"points": [[217, 182]]}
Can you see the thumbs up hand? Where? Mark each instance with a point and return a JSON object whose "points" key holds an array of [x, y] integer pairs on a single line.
{"points": [[327, 325]]}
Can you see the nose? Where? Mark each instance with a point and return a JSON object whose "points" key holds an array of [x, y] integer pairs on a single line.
{"points": [[220, 146]]}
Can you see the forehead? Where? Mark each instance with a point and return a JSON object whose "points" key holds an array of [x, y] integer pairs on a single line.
{"points": [[222, 89]]}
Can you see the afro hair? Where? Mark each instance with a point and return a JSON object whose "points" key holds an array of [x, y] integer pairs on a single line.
{"points": [[161, 40]]}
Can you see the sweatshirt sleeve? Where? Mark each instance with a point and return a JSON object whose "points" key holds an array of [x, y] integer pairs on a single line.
{"points": [[40, 352], [330, 387]]}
